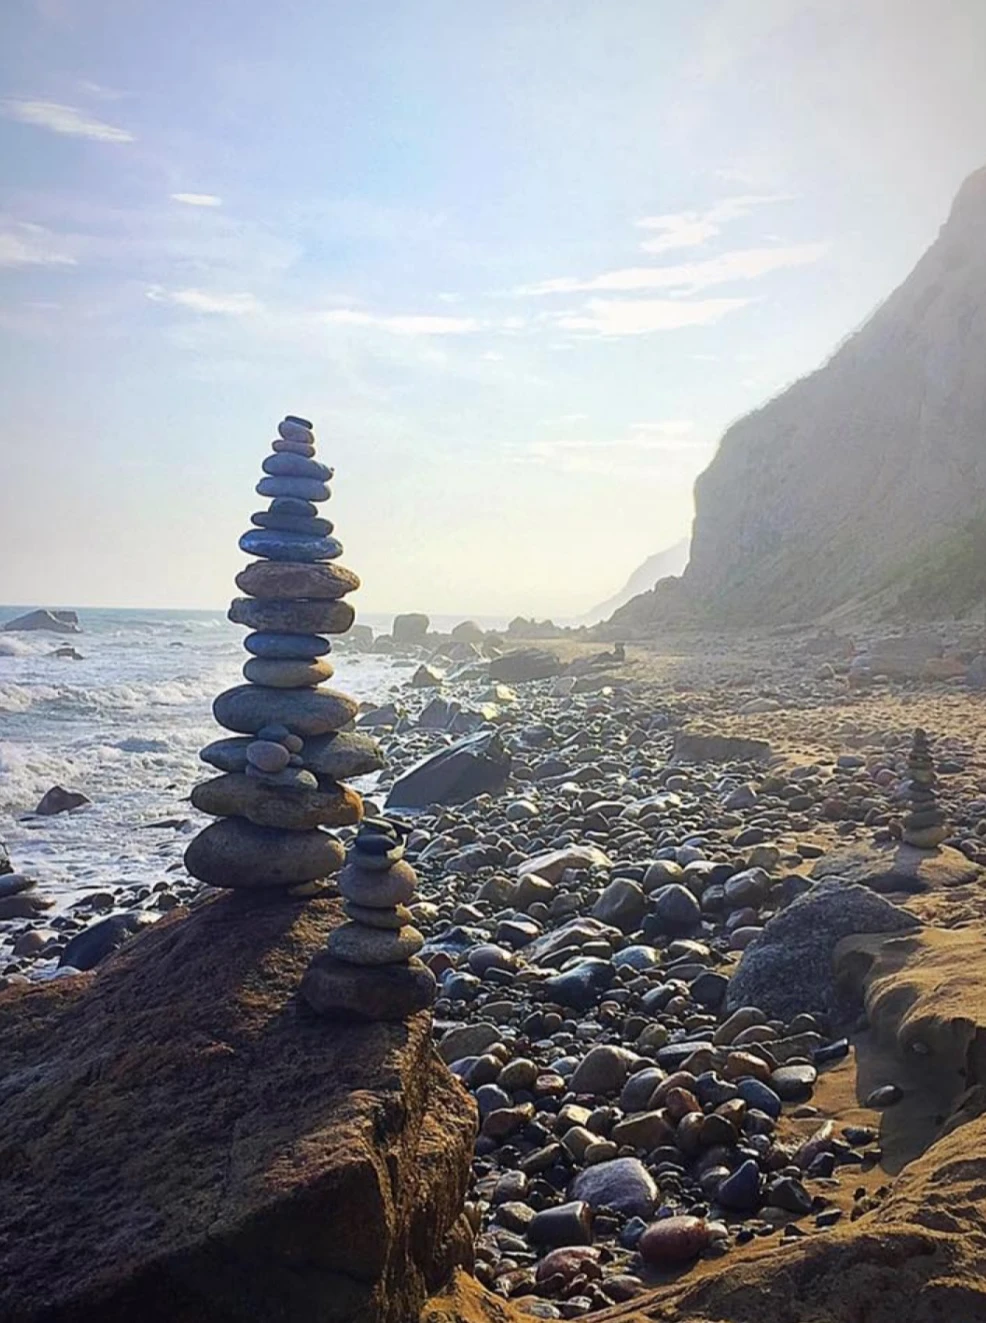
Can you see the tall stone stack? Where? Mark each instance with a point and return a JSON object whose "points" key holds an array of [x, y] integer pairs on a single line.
{"points": [[282, 774], [370, 970], [925, 825]]}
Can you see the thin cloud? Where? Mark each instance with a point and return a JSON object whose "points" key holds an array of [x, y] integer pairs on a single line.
{"points": [[201, 300], [690, 229], [197, 199], [409, 324], [23, 244], [611, 317], [639, 453], [63, 119], [688, 277]]}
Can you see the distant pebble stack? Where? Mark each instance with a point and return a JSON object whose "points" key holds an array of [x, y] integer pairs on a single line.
{"points": [[281, 782], [369, 970], [925, 825]]}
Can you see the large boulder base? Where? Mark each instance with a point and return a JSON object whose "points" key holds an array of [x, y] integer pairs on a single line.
{"points": [[186, 1142], [524, 665], [903, 868], [476, 765]]}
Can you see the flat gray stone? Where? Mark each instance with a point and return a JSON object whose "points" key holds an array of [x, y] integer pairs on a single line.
{"points": [[274, 579], [302, 489], [257, 799], [287, 672], [239, 854], [378, 890], [286, 465], [287, 645], [358, 945], [274, 544], [338, 990], [298, 616], [250, 707]]}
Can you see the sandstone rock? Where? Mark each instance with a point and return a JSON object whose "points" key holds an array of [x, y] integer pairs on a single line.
{"points": [[886, 868], [250, 707], [271, 579], [235, 853], [222, 1152], [270, 806]]}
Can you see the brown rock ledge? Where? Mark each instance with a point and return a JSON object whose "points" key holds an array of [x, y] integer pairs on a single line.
{"points": [[183, 1140]]}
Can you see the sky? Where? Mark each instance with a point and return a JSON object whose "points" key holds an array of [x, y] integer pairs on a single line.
{"points": [[521, 262]]}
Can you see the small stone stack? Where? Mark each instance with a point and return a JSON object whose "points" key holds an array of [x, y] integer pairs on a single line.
{"points": [[924, 826], [369, 970], [281, 782]]}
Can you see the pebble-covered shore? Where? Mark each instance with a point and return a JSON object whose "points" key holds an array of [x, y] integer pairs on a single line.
{"points": [[584, 923]]}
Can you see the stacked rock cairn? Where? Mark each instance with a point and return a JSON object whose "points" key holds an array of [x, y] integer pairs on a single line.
{"points": [[925, 825], [370, 970], [282, 774]]}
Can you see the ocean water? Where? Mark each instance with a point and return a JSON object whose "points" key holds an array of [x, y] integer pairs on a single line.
{"points": [[125, 726]]}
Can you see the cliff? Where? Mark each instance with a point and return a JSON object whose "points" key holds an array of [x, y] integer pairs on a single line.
{"points": [[862, 480], [670, 561]]}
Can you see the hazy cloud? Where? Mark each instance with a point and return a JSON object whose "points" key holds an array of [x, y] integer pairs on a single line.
{"points": [[409, 324], [63, 119], [197, 199], [23, 244], [643, 316], [688, 277], [201, 300], [689, 229]]}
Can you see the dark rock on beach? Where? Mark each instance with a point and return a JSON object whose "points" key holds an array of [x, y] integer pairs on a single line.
{"points": [[477, 765]]}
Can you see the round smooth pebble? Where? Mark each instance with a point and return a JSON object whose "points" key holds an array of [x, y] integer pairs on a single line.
{"points": [[273, 544], [268, 756], [296, 466], [296, 429], [287, 645], [302, 489], [373, 946], [287, 674]]}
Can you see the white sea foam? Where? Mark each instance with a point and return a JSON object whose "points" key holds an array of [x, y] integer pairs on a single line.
{"points": [[124, 725]]}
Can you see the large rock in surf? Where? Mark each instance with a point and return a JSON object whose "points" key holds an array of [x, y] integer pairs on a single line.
{"points": [[410, 627], [52, 622], [213, 1150], [477, 765]]}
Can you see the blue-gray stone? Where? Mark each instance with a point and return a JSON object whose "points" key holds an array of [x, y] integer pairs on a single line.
{"points": [[290, 505], [740, 1192], [671, 1057], [273, 544], [287, 523], [712, 1091], [709, 989], [287, 645], [636, 957], [757, 1095], [624, 1184], [581, 985], [303, 489], [282, 464]]}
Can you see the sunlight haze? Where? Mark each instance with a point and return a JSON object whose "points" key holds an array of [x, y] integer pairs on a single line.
{"points": [[521, 264]]}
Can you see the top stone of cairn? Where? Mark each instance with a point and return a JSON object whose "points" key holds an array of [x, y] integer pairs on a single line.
{"points": [[281, 784]]}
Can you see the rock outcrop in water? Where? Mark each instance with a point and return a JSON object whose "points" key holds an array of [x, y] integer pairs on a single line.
{"points": [[865, 478], [281, 785], [184, 1142], [52, 622]]}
